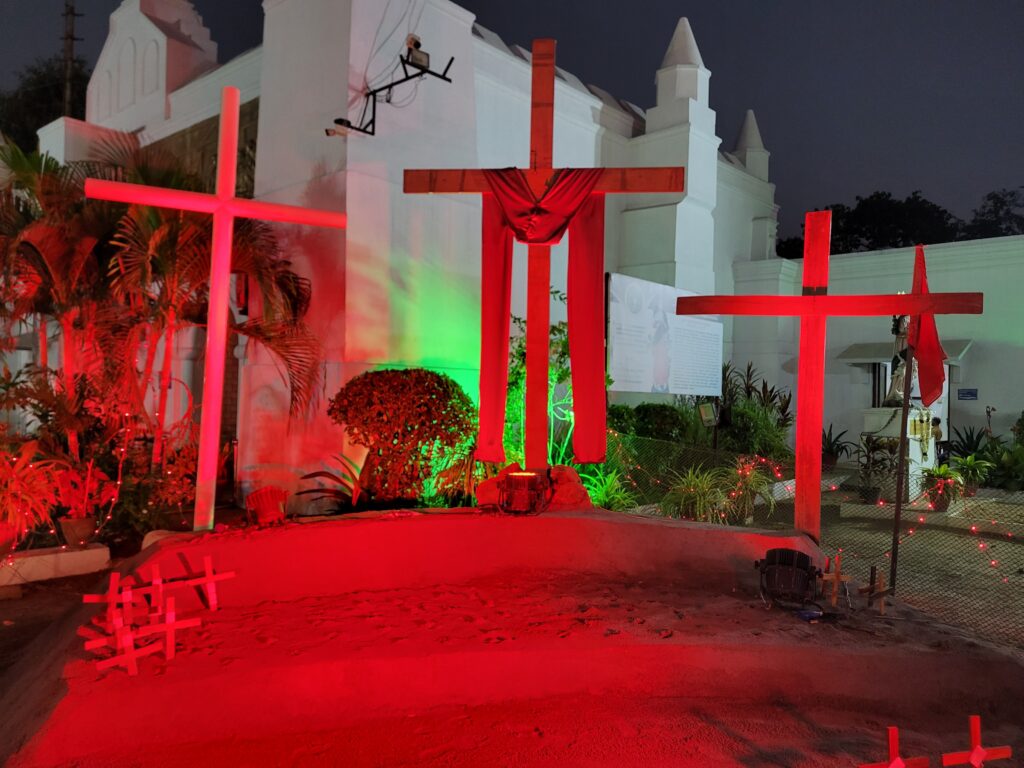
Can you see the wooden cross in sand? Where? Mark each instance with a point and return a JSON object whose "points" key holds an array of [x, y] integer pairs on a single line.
{"points": [[540, 176], [814, 307]]}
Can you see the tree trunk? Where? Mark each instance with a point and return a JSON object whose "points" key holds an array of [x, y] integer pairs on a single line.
{"points": [[69, 365], [44, 352], [165, 385]]}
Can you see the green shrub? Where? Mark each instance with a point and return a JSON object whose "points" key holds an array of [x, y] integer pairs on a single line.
{"points": [[659, 421], [754, 429], [622, 419]]}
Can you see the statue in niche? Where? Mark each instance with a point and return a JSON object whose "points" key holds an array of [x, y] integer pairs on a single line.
{"points": [[894, 397]]}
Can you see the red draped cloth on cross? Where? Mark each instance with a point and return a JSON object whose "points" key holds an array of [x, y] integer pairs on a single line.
{"points": [[537, 206], [512, 210]]}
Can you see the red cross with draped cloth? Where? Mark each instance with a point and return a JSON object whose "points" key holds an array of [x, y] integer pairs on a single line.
{"points": [[813, 308], [537, 206]]}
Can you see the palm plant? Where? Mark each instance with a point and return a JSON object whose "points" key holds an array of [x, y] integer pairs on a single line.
{"points": [[28, 490], [50, 257]]}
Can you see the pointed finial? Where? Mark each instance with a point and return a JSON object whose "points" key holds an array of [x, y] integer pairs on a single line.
{"points": [[750, 134], [682, 51]]}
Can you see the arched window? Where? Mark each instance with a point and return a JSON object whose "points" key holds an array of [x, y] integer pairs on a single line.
{"points": [[126, 75], [150, 68]]}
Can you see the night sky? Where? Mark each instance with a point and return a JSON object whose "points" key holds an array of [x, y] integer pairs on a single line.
{"points": [[851, 98]]}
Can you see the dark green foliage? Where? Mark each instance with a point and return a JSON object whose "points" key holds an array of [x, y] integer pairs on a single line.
{"points": [[622, 419], [968, 442], [408, 420], [658, 420], [754, 428], [834, 445], [38, 99], [1018, 430], [1001, 213]]}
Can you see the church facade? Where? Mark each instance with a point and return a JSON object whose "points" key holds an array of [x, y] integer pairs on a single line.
{"points": [[400, 286]]}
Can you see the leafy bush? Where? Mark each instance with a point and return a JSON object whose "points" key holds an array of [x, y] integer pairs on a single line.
{"points": [[1008, 472], [407, 420], [622, 419], [754, 429], [658, 420], [973, 470]]}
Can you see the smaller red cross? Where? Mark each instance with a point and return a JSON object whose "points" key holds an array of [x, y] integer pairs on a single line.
{"points": [[814, 306], [977, 755], [895, 761]]}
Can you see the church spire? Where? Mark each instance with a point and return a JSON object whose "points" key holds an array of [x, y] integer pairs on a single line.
{"points": [[750, 134], [750, 147], [682, 50]]}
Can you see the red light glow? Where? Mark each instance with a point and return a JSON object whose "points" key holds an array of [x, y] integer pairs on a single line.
{"points": [[225, 208]]}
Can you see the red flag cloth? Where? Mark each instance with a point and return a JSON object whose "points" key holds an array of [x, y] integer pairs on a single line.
{"points": [[924, 338], [512, 208]]}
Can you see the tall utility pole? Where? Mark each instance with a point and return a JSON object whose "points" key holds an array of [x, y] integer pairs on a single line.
{"points": [[69, 51]]}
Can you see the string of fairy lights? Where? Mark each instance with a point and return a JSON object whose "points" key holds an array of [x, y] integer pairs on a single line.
{"points": [[988, 535]]}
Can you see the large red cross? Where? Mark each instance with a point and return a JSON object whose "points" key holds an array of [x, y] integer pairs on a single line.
{"points": [[540, 176], [225, 208], [813, 308]]}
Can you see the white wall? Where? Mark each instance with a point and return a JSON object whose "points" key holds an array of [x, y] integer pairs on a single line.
{"points": [[994, 365]]}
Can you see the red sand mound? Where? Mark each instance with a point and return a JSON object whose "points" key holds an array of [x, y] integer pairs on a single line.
{"points": [[344, 643]]}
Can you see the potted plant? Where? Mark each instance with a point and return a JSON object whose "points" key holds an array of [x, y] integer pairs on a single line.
{"points": [[83, 491], [943, 484], [877, 462], [27, 492], [974, 471], [833, 448]]}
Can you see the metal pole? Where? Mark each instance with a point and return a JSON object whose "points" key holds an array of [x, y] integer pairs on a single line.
{"points": [[901, 468]]}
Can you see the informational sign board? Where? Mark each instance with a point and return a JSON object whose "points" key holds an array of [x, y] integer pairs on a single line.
{"points": [[967, 394], [652, 349]]}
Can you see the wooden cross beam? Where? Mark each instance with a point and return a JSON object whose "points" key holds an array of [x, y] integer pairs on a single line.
{"points": [[895, 760], [813, 308], [540, 176], [225, 208], [977, 755]]}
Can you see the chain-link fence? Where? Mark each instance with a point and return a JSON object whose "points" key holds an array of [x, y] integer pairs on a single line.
{"points": [[964, 566]]}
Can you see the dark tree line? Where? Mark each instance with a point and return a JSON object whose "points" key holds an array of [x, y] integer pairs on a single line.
{"points": [[883, 221], [38, 99]]}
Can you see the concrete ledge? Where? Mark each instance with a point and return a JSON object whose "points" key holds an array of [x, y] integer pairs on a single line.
{"points": [[392, 550], [52, 563]]}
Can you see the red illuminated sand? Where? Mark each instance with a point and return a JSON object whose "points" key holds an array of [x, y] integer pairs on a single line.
{"points": [[468, 640]]}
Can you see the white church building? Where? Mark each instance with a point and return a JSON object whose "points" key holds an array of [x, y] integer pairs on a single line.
{"points": [[400, 286]]}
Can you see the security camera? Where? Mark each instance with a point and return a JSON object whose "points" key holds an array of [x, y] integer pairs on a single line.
{"points": [[332, 132], [413, 54]]}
